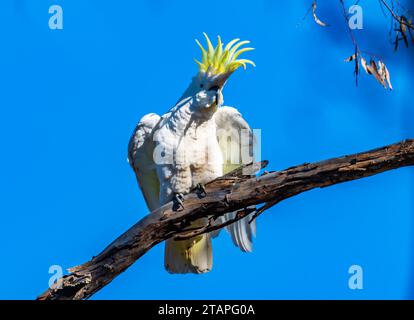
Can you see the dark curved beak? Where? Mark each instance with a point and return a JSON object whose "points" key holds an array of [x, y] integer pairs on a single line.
{"points": [[215, 88]]}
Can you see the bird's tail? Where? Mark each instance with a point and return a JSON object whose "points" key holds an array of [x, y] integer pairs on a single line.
{"points": [[189, 256]]}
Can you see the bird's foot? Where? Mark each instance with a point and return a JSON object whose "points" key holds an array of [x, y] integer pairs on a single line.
{"points": [[200, 190], [178, 202]]}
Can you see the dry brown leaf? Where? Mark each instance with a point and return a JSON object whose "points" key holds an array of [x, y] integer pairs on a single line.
{"points": [[403, 29], [373, 69], [384, 73], [396, 43], [364, 65], [356, 68], [315, 17], [351, 58], [356, 71], [379, 71], [354, 58], [410, 23], [403, 32]]}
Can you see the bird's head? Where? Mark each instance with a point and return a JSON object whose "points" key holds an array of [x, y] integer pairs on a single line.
{"points": [[216, 66]]}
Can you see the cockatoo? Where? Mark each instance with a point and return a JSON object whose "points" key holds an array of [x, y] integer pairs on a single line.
{"points": [[195, 142]]}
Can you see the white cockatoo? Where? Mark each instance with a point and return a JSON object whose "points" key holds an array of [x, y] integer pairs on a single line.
{"points": [[195, 142]]}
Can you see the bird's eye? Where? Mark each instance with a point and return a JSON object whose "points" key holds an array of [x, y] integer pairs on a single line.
{"points": [[201, 85]]}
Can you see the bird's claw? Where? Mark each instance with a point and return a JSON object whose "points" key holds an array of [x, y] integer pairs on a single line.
{"points": [[178, 202], [200, 190]]}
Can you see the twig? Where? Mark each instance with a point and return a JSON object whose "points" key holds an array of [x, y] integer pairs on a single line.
{"points": [[396, 16]]}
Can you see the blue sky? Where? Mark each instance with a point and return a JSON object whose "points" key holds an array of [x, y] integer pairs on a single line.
{"points": [[69, 100]]}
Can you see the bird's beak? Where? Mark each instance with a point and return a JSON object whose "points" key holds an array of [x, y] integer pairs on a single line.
{"points": [[221, 80], [217, 81], [218, 86], [219, 98]]}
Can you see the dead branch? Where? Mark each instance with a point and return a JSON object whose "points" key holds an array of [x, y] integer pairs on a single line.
{"points": [[233, 192], [397, 17]]}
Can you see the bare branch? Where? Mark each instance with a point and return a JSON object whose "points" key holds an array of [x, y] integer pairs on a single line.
{"points": [[396, 16], [233, 192]]}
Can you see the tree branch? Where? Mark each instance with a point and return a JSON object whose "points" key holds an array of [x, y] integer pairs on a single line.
{"points": [[233, 192], [396, 17]]}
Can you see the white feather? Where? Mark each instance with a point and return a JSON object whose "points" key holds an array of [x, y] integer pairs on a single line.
{"points": [[140, 157], [236, 142]]}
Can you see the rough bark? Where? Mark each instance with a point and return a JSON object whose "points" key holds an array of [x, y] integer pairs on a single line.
{"points": [[233, 192]]}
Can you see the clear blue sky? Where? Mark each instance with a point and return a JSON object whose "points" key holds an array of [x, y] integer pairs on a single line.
{"points": [[70, 99]]}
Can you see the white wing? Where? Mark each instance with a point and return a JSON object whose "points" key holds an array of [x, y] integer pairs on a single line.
{"points": [[140, 157], [236, 143]]}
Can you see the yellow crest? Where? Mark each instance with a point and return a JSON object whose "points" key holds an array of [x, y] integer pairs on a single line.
{"points": [[218, 60]]}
